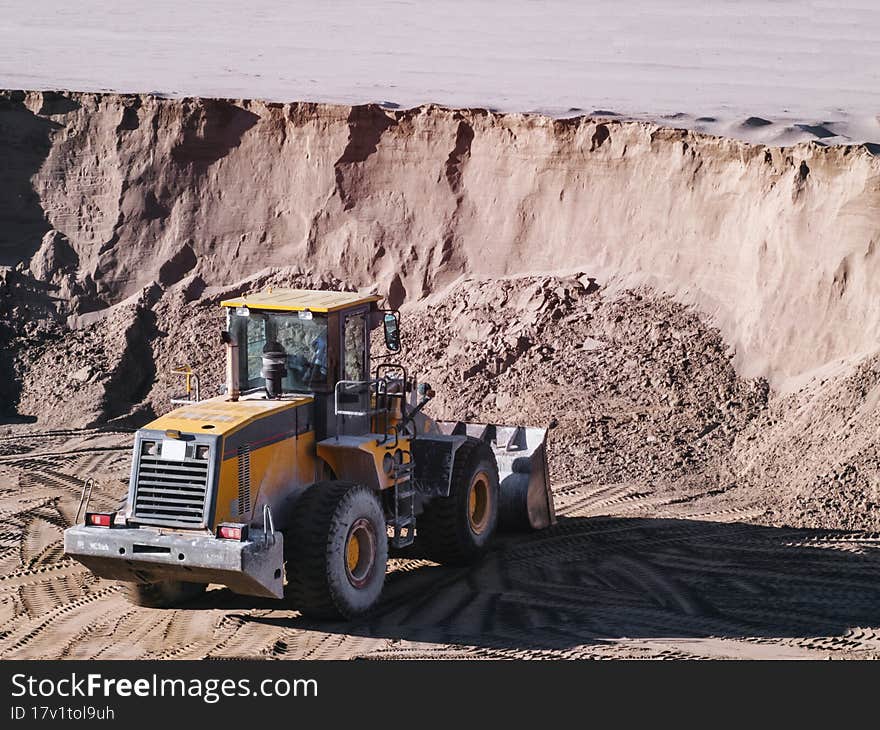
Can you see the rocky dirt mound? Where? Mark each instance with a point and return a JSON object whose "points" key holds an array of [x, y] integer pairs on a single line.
{"points": [[639, 387], [644, 391]]}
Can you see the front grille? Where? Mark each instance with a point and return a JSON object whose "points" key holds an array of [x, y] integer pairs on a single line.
{"points": [[171, 492]]}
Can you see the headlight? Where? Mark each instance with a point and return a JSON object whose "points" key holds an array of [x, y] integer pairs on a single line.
{"points": [[387, 463], [202, 451], [150, 448]]}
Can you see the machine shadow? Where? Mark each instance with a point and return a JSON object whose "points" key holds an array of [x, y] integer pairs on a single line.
{"points": [[591, 580]]}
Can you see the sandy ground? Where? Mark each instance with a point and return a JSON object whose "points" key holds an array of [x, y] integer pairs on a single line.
{"points": [[623, 574], [666, 547], [773, 72]]}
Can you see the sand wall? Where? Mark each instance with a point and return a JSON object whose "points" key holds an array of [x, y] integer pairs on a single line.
{"points": [[101, 195]]}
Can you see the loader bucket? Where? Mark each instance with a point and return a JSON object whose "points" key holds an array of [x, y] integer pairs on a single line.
{"points": [[526, 501]]}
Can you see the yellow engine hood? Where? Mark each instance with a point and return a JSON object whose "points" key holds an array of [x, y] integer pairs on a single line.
{"points": [[222, 416]]}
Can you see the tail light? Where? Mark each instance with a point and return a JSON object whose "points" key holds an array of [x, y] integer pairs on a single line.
{"points": [[232, 531], [100, 519]]}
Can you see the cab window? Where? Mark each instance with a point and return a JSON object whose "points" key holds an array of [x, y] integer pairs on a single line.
{"points": [[354, 340], [302, 336]]}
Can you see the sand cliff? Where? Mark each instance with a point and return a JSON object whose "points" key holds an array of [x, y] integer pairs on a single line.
{"points": [[104, 194]]}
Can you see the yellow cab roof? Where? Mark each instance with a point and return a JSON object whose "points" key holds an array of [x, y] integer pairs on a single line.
{"points": [[298, 300]]}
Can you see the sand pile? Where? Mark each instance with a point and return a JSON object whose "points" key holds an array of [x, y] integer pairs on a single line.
{"points": [[814, 452]]}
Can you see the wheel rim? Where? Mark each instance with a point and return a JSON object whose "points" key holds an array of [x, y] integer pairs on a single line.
{"points": [[479, 503], [360, 552]]}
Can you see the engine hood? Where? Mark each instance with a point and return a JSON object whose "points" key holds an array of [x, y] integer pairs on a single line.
{"points": [[219, 416]]}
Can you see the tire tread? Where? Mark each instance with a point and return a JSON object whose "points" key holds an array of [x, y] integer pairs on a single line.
{"points": [[441, 531], [309, 587]]}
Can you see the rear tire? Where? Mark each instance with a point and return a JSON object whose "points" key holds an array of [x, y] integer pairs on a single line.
{"points": [[164, 594], [336, 551], [457, 529]]}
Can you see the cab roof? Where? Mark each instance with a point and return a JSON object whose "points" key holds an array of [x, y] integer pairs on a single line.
{"points": [[298, 300]]}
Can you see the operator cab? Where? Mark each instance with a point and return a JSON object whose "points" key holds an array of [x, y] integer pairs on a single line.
{"points": [[284, 342]]}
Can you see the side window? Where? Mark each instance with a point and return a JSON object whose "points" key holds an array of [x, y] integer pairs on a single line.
{"points": [[250, 333], [305, 342], [354, 340], [256, 340]]}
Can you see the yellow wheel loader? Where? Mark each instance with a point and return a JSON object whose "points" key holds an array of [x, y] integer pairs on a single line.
{"points": [[296, 480]]}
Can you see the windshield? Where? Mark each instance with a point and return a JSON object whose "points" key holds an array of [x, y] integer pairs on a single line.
{"points": [[301, 336]]}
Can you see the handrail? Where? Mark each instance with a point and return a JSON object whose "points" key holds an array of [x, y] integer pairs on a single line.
{"points": [[192, 383], [267, 520], [387, 434], [389, 366], [375, 385], [413, 412], [336, 409], [88, 484], [339, 413]]}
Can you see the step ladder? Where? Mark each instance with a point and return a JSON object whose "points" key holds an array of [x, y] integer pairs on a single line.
{"points": [[403, 524]]}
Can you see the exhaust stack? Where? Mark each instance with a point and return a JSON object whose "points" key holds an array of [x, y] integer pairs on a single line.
{"points": [[233, 389]]}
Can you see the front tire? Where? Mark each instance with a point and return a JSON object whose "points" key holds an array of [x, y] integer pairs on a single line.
{"points": [[162, 594], [457, 529], [337, 551]]}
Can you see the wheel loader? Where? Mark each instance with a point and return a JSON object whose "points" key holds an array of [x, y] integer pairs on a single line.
{"points": [[314, 461]]}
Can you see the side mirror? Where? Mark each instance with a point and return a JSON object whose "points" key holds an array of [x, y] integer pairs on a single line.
{"points": [[392, 332]]}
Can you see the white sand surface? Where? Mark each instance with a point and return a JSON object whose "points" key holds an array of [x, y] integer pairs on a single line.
{"points": [[708, 65]]}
